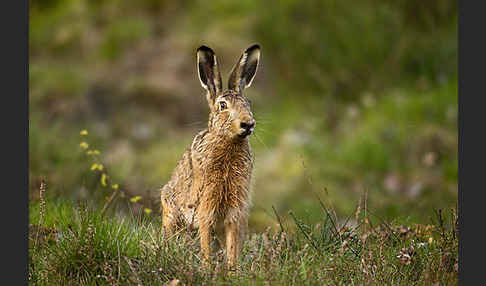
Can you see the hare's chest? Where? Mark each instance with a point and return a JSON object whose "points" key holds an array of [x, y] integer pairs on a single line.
{"points": [[229, 173], [227, 186]]}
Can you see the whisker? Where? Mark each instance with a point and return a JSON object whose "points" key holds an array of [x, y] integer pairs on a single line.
{"points": [[260, 117], [262, 130], [261, 141], [263, 120], [195, 123]]}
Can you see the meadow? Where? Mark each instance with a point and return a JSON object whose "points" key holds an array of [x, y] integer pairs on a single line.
{"points": [[355, 178], [80, 245]]}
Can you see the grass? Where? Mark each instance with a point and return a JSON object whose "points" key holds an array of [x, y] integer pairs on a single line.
{"points": [[78, 245], [357, 101]]}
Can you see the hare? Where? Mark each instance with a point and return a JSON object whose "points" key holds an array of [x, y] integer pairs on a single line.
{"points": [[209, 189]]}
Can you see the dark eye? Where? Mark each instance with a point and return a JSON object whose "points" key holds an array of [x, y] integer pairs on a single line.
{"points": [[223, 105]]}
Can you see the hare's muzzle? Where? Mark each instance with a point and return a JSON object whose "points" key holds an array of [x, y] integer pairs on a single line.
{"points": [[247, 128]]}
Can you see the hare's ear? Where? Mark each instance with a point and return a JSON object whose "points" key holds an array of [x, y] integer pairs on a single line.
{"points": [[244, 71], [207, 68]]}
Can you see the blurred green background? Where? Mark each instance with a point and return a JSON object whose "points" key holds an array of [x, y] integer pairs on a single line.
{"points": [[355, 100]]}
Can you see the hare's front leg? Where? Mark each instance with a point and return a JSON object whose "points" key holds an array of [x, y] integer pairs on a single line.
{"points": [[232, 242], [168, 222], [205, 238], [203, 216], [168, 217]]}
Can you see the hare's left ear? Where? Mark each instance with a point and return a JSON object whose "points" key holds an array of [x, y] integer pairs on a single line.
{"points": [[245, 69], [208, 70]]}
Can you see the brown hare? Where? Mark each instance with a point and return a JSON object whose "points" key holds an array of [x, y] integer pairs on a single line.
{"points": [[209, 189]]}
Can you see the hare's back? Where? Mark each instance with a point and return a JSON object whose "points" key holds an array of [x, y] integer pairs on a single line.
{"points": [[178, 188], [181, 180]]}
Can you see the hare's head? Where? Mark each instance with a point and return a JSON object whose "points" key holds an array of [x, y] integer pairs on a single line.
{"points": [[230, 113]]}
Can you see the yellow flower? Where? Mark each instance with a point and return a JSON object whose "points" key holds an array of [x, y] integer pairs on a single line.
{"points": [[122, 195], [147, 211], [84, 132], [431, 239], [135, 199], [93, 152], [114, 186], [97, 166], [103, 179], [83, 145]]}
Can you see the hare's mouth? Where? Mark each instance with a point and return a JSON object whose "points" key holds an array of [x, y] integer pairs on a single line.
{"points": [[246, 128], [245, 133]]}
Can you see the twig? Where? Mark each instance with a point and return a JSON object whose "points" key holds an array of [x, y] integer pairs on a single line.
{"points": [[108, 203], [440, 219], [384, 223], [305, 234], [42, 207], [279, 220], [328, 215]]}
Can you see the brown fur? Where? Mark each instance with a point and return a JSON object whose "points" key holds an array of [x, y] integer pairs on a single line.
{"points": [[210, 186]]}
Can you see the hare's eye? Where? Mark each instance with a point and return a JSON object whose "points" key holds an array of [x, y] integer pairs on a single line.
{"points": [[223, 105]]}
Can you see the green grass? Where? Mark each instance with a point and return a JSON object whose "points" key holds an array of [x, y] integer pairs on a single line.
{"points": [[123, 33], [77, 245], [356, 102]]}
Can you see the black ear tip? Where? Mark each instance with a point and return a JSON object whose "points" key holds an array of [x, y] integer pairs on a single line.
{"points": [[253, 48], [204, 48]]}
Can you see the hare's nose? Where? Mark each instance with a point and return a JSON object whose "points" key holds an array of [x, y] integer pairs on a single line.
{"points": [[247, 125]]}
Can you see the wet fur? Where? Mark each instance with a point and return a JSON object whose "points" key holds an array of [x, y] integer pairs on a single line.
{"points": [[210, 186]]}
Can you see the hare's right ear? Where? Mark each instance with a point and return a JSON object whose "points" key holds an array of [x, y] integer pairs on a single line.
{"points": [[207, 68], [245, 69]]}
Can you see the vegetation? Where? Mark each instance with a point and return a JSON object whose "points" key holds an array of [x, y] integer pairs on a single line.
{"points": [[77, 245], [356, 103]]}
